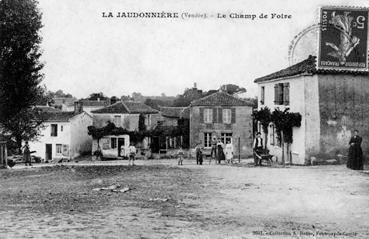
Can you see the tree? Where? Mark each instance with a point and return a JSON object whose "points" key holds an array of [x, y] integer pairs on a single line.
{"points": [[60, 94], [126, 98], [97, 96], [187, 97], [20, 90], [264, 117], [284, 122], [232, 89], [138, 97], [114, 99]]}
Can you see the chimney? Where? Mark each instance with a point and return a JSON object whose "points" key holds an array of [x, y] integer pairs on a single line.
{"points": [[78, 107], [195, 85]]}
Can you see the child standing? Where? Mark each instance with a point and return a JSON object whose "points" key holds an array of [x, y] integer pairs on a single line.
{"points": [[132, 154], [180, 156]]}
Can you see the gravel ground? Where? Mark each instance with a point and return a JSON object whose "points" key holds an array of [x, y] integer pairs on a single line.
{"points": [[166, 201]]}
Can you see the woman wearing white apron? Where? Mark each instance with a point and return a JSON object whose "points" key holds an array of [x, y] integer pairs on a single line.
{"points": [[229, 152]]}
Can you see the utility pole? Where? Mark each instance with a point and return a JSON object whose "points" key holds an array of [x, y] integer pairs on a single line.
{"points": [[239, 149]]}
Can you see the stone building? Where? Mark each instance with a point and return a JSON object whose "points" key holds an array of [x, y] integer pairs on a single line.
{"points": [[126, 115], [332, 104], [224, 116]]}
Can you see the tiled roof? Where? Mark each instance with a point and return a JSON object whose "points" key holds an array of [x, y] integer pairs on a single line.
{"points": [[172, 112], [95, 103], [117, 108], [128, 107], [45, 108], [139, 108], [61, 116], [307, 66], [220, 99]]}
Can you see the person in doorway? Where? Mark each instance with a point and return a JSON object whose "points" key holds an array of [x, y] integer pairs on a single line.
{"points": [[355, 157], [258, 149], [229, 152], [213, 152], [132, 154], [180, 156], [220, 152], [27, 154]]}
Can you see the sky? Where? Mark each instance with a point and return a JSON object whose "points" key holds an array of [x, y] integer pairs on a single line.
{"points": [[85, 53]]}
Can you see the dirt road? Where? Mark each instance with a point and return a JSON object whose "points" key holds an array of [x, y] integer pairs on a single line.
{"points": [[166, 201]]}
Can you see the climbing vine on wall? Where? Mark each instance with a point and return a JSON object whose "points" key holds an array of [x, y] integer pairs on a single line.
{"points": [[284, 122], [264, 117], [135, 136]]}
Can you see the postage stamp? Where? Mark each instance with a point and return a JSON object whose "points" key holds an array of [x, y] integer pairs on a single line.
{"points": [[343, 38]]}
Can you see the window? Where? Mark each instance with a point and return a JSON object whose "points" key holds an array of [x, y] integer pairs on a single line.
{"points": [[227, 116], [262, 96], [282, 94], [105, 143], [61, 128], [117, 120], [59, 149], [208, 116], [207, 140], [113, 143], [54, 130], [226, 137]]}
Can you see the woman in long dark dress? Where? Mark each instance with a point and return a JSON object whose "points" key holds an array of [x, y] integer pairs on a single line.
{"points": [[220, 152], [355, 157]]}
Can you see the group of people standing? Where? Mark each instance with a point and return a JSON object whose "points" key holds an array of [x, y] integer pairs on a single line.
{"points": [[219, 152]]}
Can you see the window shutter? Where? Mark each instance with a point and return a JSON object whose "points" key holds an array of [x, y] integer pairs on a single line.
{"points": [[215, 115], [233, 118], [201, 115], [220, 115], [281, 97], [286, 93], [262, 95], [276, 94]]}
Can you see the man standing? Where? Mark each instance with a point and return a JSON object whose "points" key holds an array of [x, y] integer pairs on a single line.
{"points": [[198, 154], [132, 154], [27, 154], [258, 149], [213, 152], [355, 157]]}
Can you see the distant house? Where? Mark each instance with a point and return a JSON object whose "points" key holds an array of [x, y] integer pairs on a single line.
{"points": [[64, 135], [223, 116], [64, 103], [332, 104], [126, 115], [89, 105], [170, 117]]}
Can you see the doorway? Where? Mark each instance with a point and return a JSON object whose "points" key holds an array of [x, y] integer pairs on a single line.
{"points": [[49, 152], [121, 142]]}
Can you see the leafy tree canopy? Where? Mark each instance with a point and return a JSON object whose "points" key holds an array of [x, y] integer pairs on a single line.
{"points": [[20, 89], [232, 89]]}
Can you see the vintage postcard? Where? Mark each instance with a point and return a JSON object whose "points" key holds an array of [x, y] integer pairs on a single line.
{"points": [[184, 119]]}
